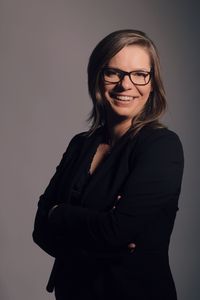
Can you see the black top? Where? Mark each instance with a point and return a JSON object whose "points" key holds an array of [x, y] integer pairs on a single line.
{"points": [[89, 239], [85, 176]]}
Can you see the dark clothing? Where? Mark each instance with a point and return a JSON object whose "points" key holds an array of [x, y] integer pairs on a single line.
{"points": [[89, 239]]}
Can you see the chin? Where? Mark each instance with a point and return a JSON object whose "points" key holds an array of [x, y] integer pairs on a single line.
{"points": [[120, 112]]}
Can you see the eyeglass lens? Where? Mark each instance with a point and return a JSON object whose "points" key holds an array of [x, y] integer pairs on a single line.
{"points": [[137, 77]]}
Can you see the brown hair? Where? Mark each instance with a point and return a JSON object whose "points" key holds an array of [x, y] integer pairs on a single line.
{"points": [[102, 53]]}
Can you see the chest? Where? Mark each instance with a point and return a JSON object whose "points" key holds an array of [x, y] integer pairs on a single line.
{"points": [[109, 171]]}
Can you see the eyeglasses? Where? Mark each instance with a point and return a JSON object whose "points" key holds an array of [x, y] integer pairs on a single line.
{"points": [[139, 77]]}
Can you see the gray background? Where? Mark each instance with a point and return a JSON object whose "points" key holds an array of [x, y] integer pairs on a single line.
{"points": [[44, 49]]}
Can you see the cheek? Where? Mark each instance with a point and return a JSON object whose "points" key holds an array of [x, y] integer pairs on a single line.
{"points": [[103, 91], [146, 93], [106, 91]]}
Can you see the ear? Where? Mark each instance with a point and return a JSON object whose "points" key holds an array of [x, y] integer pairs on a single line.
{"points": [[98, 96]]}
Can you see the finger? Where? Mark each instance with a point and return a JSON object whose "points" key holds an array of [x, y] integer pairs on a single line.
{"points": [[131, 245]]}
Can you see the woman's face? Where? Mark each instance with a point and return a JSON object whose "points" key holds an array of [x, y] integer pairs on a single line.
{"points": [[125, 99]]}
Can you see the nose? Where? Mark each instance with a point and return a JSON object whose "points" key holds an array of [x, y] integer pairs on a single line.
{"points": [[126, 83]]}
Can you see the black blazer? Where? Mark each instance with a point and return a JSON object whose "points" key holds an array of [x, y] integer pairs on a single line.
{"points": [[90, 240]]}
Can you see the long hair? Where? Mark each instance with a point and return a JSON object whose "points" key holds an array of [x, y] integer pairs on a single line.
{"points": [[101, 55]]}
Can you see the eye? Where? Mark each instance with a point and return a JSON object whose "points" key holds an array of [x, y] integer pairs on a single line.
{"points": [[140, 74], [111, 75], [111, 72]]}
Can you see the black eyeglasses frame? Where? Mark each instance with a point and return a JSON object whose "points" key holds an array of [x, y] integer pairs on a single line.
{"points": [[124, 73]]}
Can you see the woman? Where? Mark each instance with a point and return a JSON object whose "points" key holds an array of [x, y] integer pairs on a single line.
{"points": [[117, 185]]}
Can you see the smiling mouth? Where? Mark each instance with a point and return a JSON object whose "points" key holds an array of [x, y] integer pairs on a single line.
{"points": [[123, 98]]}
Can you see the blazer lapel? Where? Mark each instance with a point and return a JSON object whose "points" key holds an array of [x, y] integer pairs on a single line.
{"points": [[121, 148], [86, 150]]}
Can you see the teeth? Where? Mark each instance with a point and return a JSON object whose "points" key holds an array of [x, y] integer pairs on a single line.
{"points": [[124, 98]]}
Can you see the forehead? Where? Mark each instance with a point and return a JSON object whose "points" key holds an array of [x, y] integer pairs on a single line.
{"points": [[131, 57]]}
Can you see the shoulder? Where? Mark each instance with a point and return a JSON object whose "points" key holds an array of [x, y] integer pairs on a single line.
{"points": [[78, 138], [149, 135], [76, 142], [159, 140], [83, 137]]}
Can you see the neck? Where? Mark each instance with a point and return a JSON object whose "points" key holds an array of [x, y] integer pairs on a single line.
{"points": [[116, 130]]}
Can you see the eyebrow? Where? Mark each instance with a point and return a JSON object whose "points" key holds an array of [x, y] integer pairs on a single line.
{"points": [[136, 70]]}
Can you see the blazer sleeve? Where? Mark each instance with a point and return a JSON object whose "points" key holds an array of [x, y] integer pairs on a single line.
{"points": [[153, 184], [42, 233]]}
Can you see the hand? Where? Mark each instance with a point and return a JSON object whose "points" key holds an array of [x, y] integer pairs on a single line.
{"points": [[131, 247]]}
